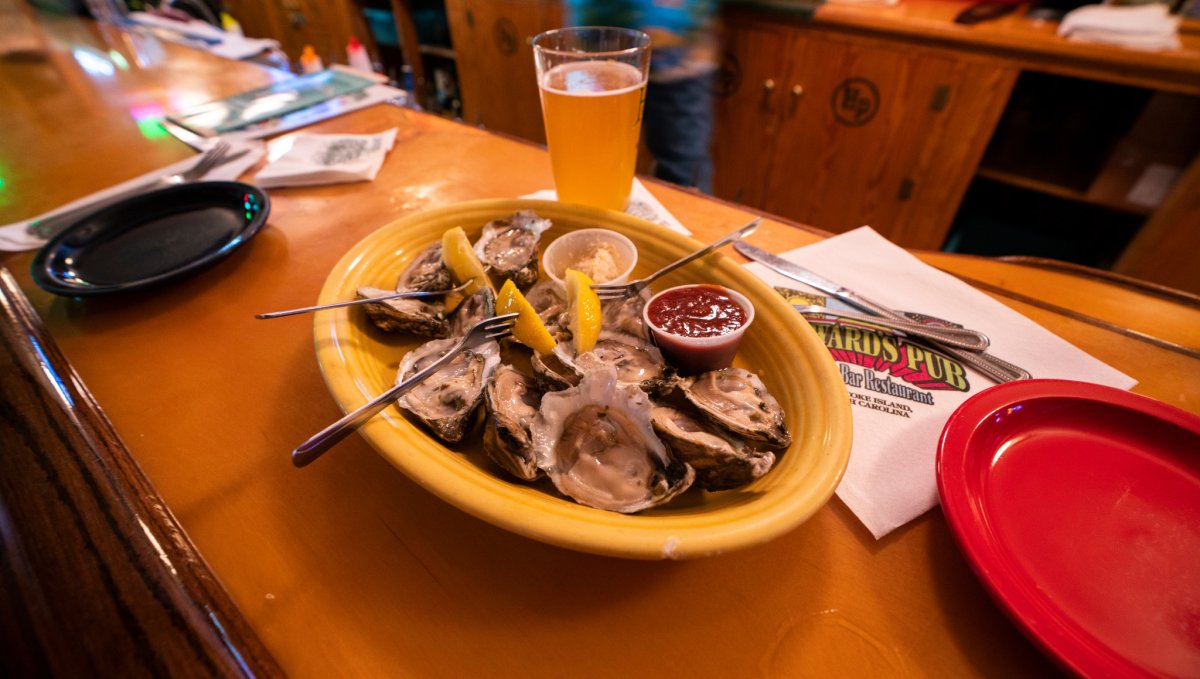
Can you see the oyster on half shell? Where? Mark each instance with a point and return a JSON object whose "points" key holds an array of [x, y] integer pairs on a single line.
{"points": [[737, 400], [448, 400], [512, 399], [596, 444], [637, 361], [419, 316], [721, 461], [427, 272], [509, 247]]}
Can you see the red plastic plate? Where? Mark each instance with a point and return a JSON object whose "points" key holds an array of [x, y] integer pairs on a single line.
{"points": [[1079, 508]]}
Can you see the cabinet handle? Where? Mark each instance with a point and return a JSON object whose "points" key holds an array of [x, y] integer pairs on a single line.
{"points": [[768, 88], [797, 93]]}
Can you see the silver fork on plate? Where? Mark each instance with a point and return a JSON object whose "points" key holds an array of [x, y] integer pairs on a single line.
{"points": [[487, 330], [611, 291], [399, 294], [218, 155]]}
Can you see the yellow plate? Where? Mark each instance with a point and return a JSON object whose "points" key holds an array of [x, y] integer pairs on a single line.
{"points": [[359, 362]]}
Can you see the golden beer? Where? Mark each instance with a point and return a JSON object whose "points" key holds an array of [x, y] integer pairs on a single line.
{"points": [[593, 116]]}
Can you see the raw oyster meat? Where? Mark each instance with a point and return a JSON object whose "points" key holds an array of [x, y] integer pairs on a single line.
{"points": [[625, 315], [427, 272], [548, 300], [419, 316], [737, 400], [636, 360], [508, 247], [596, 444], [480, 305], [512, 401], [448, 400], [721, 461]]}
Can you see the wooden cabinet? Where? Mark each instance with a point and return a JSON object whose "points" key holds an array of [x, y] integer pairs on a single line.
{"points": [[838, 131], [492, 39]]}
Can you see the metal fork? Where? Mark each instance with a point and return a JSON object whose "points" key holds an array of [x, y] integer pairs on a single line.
{"points": [[48, 227], [487, 330], [399, 294], [612, 291]]}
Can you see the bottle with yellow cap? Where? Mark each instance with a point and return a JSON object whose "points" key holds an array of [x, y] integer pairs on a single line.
{"points": [[309, 61]]}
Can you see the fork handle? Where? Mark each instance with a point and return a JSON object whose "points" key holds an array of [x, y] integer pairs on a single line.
{"points": [[735, 235], [329, 436]]}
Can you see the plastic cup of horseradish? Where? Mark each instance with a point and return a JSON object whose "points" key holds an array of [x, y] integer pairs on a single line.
{"points": [[605, 256], [698, 327]]}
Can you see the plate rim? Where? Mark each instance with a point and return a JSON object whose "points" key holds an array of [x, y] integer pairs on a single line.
{"points": [[47, 281], [671, 541], [1032, 614]]}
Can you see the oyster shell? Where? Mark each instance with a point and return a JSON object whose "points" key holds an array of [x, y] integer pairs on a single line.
{"points": [[426, 272], [512, 401], [448, 400], [596, 444], [418, 316], [508, 247], [721, 461], [737, 400]]}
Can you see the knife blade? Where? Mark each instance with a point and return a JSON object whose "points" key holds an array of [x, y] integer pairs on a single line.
{"points": [[991, 366], [812, 279]]}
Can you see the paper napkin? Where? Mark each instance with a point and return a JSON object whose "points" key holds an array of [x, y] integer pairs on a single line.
{"points": [[1147, 26], [15, 238], [901, 398], [642, 204], [316, 159]]}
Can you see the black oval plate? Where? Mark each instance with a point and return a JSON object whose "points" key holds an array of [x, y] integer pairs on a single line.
{"points": [[151, 238]]}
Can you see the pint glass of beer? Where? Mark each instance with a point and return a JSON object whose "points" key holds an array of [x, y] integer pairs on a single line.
{"points": [[593, 83]]}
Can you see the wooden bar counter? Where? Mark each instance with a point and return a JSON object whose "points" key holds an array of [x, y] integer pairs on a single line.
{"points": [[153, 524]]}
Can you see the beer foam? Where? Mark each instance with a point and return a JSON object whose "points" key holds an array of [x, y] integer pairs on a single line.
{"points": [[591, 78]]}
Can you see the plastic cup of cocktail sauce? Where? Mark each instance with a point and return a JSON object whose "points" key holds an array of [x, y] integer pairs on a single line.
{"points": [[698, 327]]}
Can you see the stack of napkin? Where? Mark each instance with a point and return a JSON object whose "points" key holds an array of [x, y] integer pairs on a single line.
{"points": [[900, 407], [1148, 27]]}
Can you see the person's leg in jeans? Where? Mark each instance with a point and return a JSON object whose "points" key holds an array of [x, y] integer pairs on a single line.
{"points": [[678, 127]]}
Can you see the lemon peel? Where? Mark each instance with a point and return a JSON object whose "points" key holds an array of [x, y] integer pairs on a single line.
{"points": [[529, 329], [583, 309], [464, 264]]}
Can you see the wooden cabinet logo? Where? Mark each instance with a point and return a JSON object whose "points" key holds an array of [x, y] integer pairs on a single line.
{"points": [[855, 101]]}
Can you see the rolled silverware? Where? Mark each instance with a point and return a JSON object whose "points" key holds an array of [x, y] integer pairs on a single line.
{"points": [[995, 368], [961, 338], [405, 294]]}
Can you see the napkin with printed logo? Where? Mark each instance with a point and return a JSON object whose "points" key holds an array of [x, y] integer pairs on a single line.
{"points": [[902, 393], [317, 159]]}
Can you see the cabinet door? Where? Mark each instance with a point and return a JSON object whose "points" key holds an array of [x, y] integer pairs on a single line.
{"points": [[750, 100], [882, 135], [492, 44]]}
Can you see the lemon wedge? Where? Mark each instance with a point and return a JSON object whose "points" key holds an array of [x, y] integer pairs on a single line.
{"points": [[583, 309], [460, 258], [529, 329]]}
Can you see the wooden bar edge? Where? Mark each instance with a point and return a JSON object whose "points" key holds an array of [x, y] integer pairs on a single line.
{"points": [[98, 577]]}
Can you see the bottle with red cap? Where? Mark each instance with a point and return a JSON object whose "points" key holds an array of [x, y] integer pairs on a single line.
{"points": [[357, 57]]}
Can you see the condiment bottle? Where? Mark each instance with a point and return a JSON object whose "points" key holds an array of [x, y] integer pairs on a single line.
{"points": [[309, 61], [356, 55]]}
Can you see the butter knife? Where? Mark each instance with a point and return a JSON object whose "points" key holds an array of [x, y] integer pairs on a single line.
{"points": [[994, 368]]}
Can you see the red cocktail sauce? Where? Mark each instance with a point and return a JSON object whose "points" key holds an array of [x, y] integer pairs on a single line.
{"points": [[696, 311]]}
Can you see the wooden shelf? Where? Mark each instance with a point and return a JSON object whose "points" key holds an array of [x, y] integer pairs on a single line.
{"points": [[1091, 196]]}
